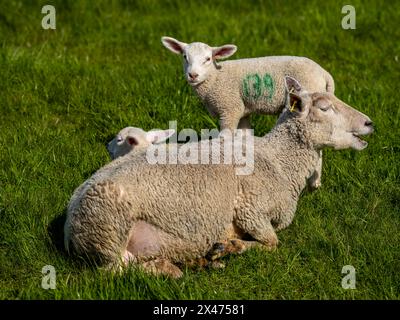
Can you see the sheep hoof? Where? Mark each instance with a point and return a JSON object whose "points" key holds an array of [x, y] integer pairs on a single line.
{"points": [[217, 251], [314, 182], [221, 249], [314, 186]]}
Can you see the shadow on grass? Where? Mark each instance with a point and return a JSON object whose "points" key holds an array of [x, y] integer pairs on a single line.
{"points": [[56, 232]]}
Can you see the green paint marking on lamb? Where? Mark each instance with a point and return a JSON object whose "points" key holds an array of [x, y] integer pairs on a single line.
{"points": [[269, 85], [255, 87], [252, 86]]}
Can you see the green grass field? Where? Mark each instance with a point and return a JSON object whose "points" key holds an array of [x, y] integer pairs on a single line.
{"points": [[64, 93]]}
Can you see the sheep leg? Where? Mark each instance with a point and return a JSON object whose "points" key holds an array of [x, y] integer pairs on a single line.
{"points": [[223, 248], [229, 123], [162, 266], [244, 123], [231, 120], [314, 182], [203, 263], [260, 229], [266, 236], [158, 266]]}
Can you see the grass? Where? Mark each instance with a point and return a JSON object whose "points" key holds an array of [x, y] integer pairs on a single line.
{"points": [[64, 93]]}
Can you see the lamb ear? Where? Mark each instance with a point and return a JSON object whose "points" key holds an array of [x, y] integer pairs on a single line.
{"points": [[223, 51], [173, 45], [133, 141], [157, 136], [292, 85]]}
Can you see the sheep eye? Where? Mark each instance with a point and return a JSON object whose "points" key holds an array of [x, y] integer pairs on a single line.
{"points": [[324, 108], [119, 139], [207, 60]]}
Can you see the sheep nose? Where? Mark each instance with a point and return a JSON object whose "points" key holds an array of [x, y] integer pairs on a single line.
{"points": [[369, 123], [193, 75]]}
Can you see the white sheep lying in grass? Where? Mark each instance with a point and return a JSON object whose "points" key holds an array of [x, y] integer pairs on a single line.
{"points": [[234, 89], [131, 138], [128, 140], [157, 215]]}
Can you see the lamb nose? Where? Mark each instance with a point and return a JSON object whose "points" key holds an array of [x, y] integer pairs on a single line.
{"points": [[193, 75], [368, 123]]}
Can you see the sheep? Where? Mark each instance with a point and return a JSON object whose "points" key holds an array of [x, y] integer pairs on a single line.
{"points": [[155, 216], [234, 89], [131, 138], [128, 140]]}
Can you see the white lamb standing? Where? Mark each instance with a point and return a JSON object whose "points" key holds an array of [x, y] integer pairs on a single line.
{"points": [[157, 215], [232, 90]]}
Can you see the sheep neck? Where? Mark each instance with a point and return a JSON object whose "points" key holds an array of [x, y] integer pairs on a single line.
{"points": [[290, 147], [207, 85]]}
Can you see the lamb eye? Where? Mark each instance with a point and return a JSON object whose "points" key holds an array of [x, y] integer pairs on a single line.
{"points": [[208, 59]]}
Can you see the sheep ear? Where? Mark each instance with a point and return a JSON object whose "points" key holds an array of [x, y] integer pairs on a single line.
{"points": [[223, 51], [173, 45], [157, 136], [133, 141], [292, 85], [296, 103]]}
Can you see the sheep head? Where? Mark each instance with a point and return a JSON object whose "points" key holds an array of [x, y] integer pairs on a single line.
{"points": [[329, 121], [131, 138], [199, 59]]}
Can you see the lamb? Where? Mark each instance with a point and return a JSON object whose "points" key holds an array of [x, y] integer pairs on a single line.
{"points": [[128, 140], [131, 138], [143, 214], [234, 89]]}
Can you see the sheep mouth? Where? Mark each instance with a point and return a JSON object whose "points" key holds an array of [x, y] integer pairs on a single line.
{"points": [[359, 143], [358, 138], [194, 82]]}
